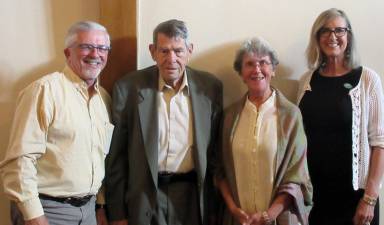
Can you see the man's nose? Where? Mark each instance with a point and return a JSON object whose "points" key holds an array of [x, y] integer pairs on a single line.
{"points": [[94, 52], [171, 56]]}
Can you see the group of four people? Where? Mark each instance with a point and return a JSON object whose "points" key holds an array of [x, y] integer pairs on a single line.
{"points": [[174, 157]]}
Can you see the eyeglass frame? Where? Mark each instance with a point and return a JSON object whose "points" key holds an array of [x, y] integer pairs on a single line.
{"points": [[262, 64], [326, 32], [101, 49]]}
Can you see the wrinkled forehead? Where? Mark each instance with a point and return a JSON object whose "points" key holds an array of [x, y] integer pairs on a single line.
{"points": [[164, 39]]}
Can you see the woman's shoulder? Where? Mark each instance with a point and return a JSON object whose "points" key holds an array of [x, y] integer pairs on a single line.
{"points": [[304, 84], [369, 76], [234, 107], [287, 111], [284, 102], [368, 72], [307, 75]]}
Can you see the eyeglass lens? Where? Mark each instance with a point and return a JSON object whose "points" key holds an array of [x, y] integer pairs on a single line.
{"points": [[88, 48], [338, 31]]}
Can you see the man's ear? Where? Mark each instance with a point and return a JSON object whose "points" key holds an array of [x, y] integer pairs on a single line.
{"points": [[190, 48], [67, 53], [152, 49]]}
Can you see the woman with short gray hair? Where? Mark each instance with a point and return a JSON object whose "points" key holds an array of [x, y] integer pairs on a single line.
{"points": [[262, 169]]}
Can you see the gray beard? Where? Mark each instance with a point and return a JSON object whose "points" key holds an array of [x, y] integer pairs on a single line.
{"points": [[92, 73]]}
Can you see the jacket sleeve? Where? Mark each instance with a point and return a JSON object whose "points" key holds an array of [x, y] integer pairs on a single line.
{"points": [[213, 195], [116, 161]]}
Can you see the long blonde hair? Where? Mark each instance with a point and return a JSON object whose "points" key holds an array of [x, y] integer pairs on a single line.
{"points": [[315, 58]]}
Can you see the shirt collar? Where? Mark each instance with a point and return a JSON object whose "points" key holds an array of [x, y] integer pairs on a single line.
{"points": [[270, 102], [184, 87]]}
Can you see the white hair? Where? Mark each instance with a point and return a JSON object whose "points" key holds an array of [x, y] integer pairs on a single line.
{"points": [[83, 26]]}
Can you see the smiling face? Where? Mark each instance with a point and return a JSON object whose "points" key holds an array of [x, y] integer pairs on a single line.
{"points": [[87, 63], [331, 45], [256, 72], [171, 55]]}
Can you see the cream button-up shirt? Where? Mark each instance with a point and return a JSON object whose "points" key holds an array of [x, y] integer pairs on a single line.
{"points": [[175, 128], [59, 139], [254, 154]]}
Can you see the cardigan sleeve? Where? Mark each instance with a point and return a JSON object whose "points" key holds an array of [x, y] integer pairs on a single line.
{"points": [[374, 92]]}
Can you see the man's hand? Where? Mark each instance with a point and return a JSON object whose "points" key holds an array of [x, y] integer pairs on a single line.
{"points": [[119, 222], [41, 220], [101, 217]]}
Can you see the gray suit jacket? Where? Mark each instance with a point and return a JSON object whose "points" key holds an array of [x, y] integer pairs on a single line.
{"points": [[131, 167]]}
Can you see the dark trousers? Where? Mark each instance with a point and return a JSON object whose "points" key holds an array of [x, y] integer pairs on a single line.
{"points": [[177, 204], [59, 213]]}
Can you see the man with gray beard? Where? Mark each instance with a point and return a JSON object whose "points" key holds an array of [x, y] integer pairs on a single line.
{"points": [[54, 164]]}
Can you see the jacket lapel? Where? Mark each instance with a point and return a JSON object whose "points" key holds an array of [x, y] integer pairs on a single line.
{"points": [[201, 110], [147, 104]]}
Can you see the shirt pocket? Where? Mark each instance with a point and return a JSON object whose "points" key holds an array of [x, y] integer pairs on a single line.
{"points": [[107, 137], [61, 142]]}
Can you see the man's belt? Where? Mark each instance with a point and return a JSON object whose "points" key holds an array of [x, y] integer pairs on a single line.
{"points": [[74, 201], [170, 177]]}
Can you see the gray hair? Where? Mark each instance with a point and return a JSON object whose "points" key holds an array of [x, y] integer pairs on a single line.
{"points": [[316, 58], [83, 26], [256, 45], [172, 28]]}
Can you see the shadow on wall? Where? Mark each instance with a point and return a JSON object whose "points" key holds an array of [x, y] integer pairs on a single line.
{"points": [[121, 60], [282, 82], [219, 61], [56, 27], [56, 30]]}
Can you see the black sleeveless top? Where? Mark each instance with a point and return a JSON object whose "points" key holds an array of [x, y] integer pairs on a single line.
{"points": [[327, 117]]}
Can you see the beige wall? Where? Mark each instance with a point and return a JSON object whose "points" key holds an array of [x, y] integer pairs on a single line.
{"points": [[31, 43], [218, 26]]}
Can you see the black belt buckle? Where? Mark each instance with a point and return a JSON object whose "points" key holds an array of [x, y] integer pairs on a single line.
{"points": [[165, 178], [78, 202], [74, 201]]}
